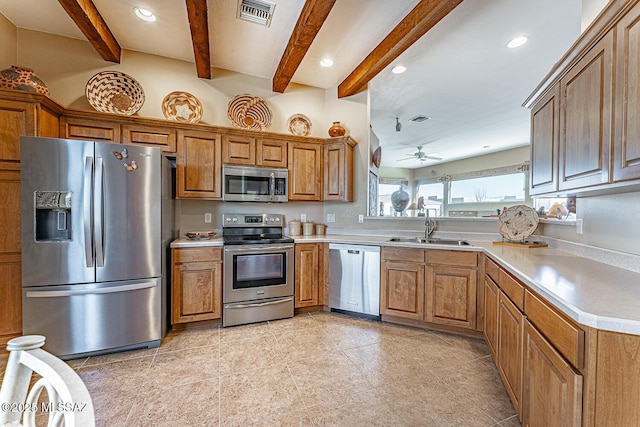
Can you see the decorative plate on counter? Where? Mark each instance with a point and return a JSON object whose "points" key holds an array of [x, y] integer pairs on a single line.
{"points": [[517, 222], [182, 107], [299, 124], [249, 112], [200, 235], [114, 92]]}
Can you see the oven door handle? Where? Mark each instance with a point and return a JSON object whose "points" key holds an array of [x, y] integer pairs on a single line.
{"points": [[259, 248], [259, 304]]}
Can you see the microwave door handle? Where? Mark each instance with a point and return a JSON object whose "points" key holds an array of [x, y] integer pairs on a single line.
{"points": [[273, 185], [88, 236]]}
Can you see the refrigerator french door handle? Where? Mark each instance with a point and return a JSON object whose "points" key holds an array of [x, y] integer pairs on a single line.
{"points": [[88, 235], [72, 292], [99, 212]]}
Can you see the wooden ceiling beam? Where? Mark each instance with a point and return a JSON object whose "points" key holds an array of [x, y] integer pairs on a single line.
{"points": [[199, 25], [421, 19], [90, 22], [313, 15]]}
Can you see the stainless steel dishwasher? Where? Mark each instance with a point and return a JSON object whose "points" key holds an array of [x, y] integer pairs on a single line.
{"points": [[354, 279]]}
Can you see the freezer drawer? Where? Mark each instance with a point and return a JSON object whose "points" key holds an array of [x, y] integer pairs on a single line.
{"points": [[354, 278], [94, 318]]}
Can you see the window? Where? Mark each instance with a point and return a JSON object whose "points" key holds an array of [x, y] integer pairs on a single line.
{"points": [[501, 189], [433, 197]]}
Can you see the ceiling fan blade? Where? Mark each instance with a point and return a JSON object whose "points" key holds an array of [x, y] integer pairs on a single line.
{"points": [[432, 158], [408, 158]]}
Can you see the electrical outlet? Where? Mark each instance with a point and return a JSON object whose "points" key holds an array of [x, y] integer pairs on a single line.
{"points": [[360, 218], [207, 217], [579, 226], [331, 217], [303, 217]]}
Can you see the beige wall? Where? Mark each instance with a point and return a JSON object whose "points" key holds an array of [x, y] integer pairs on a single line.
{"points": [[8, 44]]}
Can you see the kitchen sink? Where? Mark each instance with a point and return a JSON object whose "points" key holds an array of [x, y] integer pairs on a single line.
{"points": [[432, 241]]}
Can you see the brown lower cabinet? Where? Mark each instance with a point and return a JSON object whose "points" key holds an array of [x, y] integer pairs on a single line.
{"points": [[310, 274], [553, 389], [432, 286], [509, 349], [196, 284]]}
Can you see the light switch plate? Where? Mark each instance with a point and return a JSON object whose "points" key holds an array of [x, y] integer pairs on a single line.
{"points": [[331, 217], [360, 218], [303, 217], [207, 217], [579, 225]]}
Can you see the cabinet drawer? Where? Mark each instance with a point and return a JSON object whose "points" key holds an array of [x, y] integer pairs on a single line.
{"points": [[94, 130], [491, 269], [197, 254], [563, 334], [163, 138], [456, 258], [513, 289], [403, 254]]}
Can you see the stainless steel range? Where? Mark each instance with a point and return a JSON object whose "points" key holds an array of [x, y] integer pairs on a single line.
{"points": [[258, 269]]}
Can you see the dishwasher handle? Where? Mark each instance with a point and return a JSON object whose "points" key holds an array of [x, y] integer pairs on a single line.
{"points": [[353, 249]]}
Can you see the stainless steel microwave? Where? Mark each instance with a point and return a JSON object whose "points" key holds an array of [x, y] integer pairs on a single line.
{"points": [[250, 184]]}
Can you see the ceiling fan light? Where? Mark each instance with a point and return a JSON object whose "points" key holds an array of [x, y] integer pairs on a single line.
{"points": [[144, 14], [517, 42]]}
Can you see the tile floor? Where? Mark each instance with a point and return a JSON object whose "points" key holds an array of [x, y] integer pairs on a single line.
{"points": [[318, 369]]}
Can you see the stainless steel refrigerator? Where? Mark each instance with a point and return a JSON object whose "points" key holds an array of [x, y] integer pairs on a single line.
{"points": [[91, 245]]}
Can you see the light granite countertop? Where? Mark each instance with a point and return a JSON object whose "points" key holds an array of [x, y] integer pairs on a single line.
{"points": [[592, 293]]}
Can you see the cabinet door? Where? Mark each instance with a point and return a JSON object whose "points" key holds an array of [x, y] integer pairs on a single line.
{"points": [[585, 139], [552, 389], [510, 336], [402, 290], [451, 296], [198, 166], [89, 129], [197, 291], [491, 293], [238, 150], [308, 263], [338, 172], [152, 136], [305, 171], [545, 119], [626, 147], [10, 267], [16, 119], [271, 152]]}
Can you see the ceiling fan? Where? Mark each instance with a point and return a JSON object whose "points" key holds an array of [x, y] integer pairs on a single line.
{"points": [[420, 155]]}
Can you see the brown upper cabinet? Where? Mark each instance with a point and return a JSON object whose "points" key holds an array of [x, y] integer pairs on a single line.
{"points": [[90, 129], [152, 136], [199, 165], [252, 151], [584, 133], [338, 170], [305, 171]]}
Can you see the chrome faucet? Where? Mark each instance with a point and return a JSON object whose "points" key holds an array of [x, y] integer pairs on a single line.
{"points": [[429, 224]]}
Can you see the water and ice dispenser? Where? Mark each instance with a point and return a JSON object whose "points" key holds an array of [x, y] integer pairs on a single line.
{"points": [[53, 216]]}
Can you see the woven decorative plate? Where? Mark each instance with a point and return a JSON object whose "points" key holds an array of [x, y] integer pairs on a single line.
{"points": [[299, 124], [114, 92], [517, 222], [182, 107], [249, 112]]}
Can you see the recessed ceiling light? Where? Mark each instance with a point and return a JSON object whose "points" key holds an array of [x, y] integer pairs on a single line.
{"points": [[326, 62], [517, 41], [398, 69], [144, 14], [486, 146]]}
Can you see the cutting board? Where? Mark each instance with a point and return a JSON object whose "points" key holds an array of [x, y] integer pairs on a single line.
{"points": [[526, 244]]}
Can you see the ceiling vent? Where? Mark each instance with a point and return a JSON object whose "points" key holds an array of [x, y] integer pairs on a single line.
{"points": [[418, 119], [256, 11]]}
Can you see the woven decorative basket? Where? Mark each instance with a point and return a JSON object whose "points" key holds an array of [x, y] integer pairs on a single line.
{"points": [[249, 112], [182, 107], [114, 92]]}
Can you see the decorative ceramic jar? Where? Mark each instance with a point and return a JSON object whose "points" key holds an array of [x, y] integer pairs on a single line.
{"points": [[400, 200], [337, 130], [22, 78]]}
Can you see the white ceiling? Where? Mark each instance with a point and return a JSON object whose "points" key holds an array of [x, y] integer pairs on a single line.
{"points": [[460, 73]]}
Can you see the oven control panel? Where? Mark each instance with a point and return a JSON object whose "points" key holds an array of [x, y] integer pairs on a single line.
{"points": [[243, 220]]}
